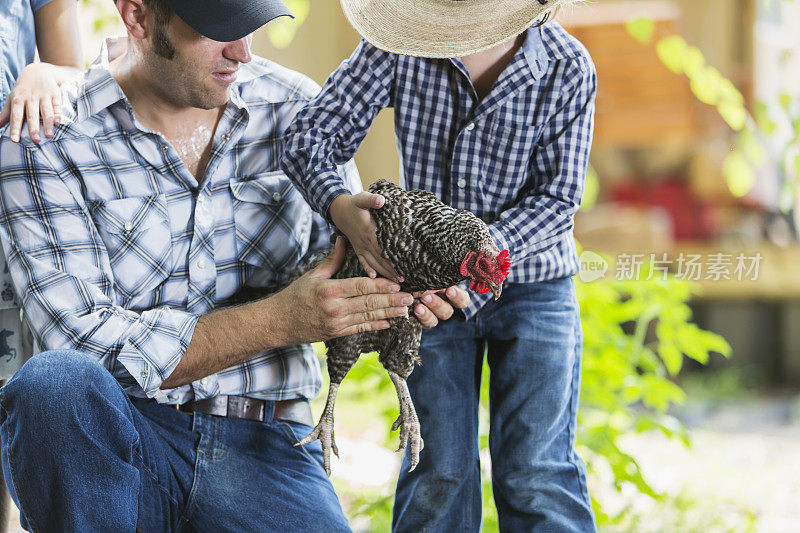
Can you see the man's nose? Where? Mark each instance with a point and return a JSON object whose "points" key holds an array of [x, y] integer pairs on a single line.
{"points": [[238, 50]]}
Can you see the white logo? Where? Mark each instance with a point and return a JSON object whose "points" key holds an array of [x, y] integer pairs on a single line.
{"points": [[593, 266]]}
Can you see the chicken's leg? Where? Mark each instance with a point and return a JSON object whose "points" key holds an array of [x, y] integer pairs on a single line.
{"points": [[324, 430], [407, 421]]}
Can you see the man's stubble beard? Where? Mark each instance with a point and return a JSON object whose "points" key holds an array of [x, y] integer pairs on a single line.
{"points": [[176, 78]]}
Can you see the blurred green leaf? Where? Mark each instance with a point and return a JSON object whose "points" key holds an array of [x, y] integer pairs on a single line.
{"points": [[761, 114], [642, 29], [591, 189], [785, 99], [672, 50], [738, 173], [734, 114], [281, 31], [752, 149]]}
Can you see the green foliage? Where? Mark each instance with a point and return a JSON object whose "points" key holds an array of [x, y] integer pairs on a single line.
{"points": [[642, 29], [712, 88], [686, 513], [636, 335], [591, 189]]}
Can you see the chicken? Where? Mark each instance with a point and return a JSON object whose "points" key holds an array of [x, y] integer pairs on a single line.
{"points": [[433, 246]]}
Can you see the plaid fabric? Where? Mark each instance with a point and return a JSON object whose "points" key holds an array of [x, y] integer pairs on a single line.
{"points": [[116, 249], [517, 158]]}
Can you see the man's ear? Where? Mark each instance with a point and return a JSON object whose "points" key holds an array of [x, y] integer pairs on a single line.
{"points": [[133, 17]]}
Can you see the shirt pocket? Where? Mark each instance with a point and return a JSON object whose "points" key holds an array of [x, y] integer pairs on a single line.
{"points": [[273, 222], [136, 233], [511, 145]]}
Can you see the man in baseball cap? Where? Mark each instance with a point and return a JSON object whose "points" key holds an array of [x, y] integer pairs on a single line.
{"points": [[167, 399]]}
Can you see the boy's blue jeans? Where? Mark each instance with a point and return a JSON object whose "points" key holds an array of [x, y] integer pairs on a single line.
{"points": [[79, 455], [533, 339]]}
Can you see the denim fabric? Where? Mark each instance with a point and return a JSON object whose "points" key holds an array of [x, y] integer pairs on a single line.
{"points": [[79, 455], [532, 337]]}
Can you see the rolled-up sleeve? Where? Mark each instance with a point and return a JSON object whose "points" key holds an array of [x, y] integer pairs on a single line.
{"points": [[61, 271]]}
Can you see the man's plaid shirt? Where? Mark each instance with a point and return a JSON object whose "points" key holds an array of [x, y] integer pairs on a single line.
{"points": [[116, 250], [517, 158]]}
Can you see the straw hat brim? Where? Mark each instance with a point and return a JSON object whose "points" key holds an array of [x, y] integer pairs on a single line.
{"points": [[442, 28]]}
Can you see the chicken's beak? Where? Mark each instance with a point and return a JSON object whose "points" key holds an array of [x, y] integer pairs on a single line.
{"points": [[496, 290]]}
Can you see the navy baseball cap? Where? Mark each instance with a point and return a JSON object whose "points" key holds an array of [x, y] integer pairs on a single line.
{"points": [[228, 20]]}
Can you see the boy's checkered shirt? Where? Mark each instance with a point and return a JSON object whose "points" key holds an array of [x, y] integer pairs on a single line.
{"points": [[517, 158], [116, 250]]}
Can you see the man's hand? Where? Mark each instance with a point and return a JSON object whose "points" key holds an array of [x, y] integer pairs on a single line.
{"points": [[317, 308], [351, 215], [35, 96], [434, 307]]}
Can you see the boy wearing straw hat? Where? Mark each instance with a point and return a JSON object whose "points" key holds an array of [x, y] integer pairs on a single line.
{"points": [[493, 114]]}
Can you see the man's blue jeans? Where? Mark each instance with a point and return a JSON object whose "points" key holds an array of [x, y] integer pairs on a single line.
{"points": [[79, 455], [532, 336]]}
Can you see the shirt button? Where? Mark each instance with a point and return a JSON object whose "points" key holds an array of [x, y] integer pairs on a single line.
{"points": [[144, 373], [470, 126], [201, 199], [276, 197], [164, 148], [225, 137], [204, 381], [201, 264], [128, 226], [461, 183]]}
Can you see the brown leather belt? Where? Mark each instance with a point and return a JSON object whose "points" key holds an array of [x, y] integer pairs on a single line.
{"points": [[252, 409]]}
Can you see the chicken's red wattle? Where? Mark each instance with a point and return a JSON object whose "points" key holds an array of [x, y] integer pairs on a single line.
{"points": [[483, 270]]}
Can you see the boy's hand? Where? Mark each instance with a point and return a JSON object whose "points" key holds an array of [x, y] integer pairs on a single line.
{"points": [[350, 213], [36, 94], [439, 305]]}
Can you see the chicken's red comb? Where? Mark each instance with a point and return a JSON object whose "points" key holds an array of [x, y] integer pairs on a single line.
{"points": [[504, 263]]}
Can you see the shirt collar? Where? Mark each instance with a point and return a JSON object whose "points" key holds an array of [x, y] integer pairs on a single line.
{"points": [[535, 52], [101, 90], [532, 49]]}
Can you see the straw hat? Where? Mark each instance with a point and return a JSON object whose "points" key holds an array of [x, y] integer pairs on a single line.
{"points": [[443, 28]]}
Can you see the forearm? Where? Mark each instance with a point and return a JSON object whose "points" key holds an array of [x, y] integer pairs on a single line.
{"points": [[57, 36], [328, 131], [228, 337]]}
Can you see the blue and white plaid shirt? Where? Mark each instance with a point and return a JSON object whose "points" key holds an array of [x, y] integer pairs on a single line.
{"points": [[116, 249], [517, 158]]}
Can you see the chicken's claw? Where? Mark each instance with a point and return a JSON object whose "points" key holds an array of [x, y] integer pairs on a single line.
{"points": [[408, 422], [324, 431]]}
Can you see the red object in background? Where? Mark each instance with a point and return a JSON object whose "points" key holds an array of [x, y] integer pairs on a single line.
{"points": [[691, 220]]}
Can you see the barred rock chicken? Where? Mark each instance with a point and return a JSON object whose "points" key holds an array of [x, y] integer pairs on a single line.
{"points": [[433, 246]]}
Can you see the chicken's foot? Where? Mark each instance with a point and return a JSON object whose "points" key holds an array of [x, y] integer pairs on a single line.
{"points": [[324, 430], [408, 422]]}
